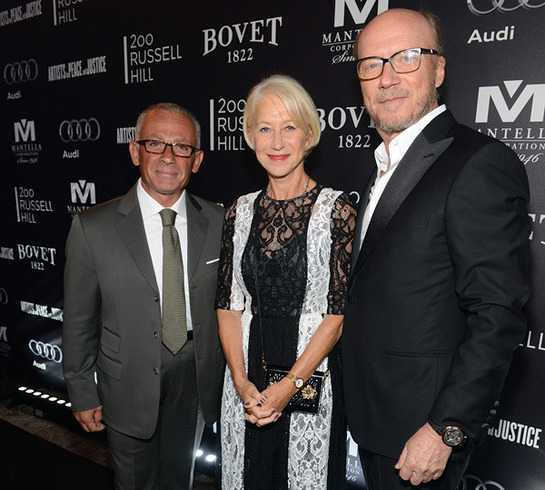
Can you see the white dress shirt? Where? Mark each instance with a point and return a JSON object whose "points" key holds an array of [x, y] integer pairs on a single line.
{"points": [[397, 149], [153, 227]]}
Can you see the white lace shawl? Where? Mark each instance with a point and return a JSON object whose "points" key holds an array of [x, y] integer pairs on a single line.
{"points": [[309, 433]]}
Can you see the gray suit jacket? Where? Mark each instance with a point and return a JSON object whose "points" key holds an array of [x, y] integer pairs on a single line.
{"points": [[112, 314]]}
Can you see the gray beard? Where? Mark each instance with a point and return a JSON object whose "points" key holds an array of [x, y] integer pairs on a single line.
{"points": [[412, 119]]}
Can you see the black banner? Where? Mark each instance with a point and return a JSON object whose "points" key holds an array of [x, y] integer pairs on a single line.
{"points": [[76, 73]]}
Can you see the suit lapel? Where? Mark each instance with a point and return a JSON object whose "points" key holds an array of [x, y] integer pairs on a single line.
{"points": [[131, 230], [421, 155], [364, 201], [197, 228]]}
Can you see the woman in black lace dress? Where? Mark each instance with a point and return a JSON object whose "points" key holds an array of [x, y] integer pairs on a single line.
{"points": [[285, 258]]}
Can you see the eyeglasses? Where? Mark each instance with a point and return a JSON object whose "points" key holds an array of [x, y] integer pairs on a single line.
{"points": [[404, 61], [158, 147]]}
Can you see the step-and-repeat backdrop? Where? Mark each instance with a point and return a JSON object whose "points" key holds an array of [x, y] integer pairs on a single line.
{"points": [[76, 73]]}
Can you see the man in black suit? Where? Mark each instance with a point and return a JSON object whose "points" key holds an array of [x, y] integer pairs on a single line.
{"points": [[440, 271], [151, 386]]}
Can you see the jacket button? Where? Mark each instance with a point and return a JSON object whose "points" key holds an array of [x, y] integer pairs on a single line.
{"points": [[496, 404], [493, 412], [485, 426], [156, 299], [155, 370], [156, 335]]}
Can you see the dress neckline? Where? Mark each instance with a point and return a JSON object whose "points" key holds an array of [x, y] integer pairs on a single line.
{"points": [[266, 196]]}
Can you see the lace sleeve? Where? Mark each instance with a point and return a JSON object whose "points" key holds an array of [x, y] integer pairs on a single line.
{"points": [[225, 268], [343, 223]]}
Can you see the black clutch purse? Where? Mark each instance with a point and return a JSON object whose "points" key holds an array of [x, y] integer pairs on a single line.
{"points": [[307, 398]]}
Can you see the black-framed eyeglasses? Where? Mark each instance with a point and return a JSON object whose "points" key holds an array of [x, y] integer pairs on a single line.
{"points": [[404, 61], [158, 147]]}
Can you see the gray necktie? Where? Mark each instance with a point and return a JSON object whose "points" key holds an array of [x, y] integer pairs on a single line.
{"points": [[174, 319]]}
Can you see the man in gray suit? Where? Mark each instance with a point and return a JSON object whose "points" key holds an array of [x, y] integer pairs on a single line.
{"points": [[118, 370]]}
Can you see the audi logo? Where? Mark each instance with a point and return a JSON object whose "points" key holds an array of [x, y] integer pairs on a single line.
{"points": [[503, 5], [79, 130], [47, 351], [470, 482], [3, 296], [21, 71]]}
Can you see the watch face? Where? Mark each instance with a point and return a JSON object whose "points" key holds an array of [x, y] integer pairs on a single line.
{"points": [[453, 436], [299, 383]]}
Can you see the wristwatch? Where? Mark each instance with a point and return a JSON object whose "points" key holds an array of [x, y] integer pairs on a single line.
{"points": [[453, 436], [297, 382]]}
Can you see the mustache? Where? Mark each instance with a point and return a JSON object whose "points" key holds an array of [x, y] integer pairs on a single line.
{"points": [[389, 94]]}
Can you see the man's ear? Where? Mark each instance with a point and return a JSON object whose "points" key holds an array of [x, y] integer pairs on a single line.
{"points": [[440, 71], [197, 162], [133, 150]]}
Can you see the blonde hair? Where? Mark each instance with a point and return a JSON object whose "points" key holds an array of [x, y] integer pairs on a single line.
{"points": [[295, 98]]}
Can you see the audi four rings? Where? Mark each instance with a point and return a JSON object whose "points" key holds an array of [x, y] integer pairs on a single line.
{"points": [[470, 482], [47, 351], [500, 6], [79, 130], [21, 71]]}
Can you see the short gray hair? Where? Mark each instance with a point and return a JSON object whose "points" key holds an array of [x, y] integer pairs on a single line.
{"points": [[297, 100], [169, 107]]}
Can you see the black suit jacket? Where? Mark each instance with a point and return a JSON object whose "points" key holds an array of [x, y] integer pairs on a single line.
{"points": [[112, 313], [437, 289]]}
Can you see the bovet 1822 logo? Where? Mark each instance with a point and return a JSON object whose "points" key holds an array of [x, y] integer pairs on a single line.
{"points": [[141, 52], [484, 7], [239, 41], [39, 256], [349, 124], [514, 113]]}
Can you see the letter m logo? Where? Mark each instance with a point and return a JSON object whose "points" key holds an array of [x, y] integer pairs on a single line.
{"points": [[80, 191], [532, 92], [24, 130], [358, 16]]}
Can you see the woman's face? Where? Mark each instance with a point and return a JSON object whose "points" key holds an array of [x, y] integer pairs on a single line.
{"points": [[279, 144]]}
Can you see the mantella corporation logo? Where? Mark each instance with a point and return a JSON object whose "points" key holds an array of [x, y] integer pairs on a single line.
{"points": [[354, 13], [514, 113], [26, 148]]}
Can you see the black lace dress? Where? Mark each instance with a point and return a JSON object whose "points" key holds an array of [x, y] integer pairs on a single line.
{"points": [[274, 269]]}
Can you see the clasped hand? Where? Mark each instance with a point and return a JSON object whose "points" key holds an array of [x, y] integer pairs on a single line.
{"points": [[263, 408]]}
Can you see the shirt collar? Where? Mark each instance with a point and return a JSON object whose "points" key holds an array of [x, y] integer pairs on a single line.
{"points": [[401, 143], [150, 206]]}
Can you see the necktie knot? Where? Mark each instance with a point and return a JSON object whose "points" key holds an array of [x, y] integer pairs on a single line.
{"points": [[168, 216]]}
